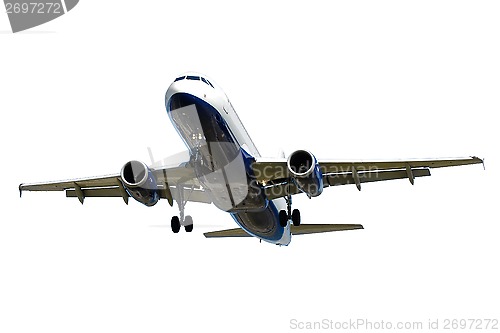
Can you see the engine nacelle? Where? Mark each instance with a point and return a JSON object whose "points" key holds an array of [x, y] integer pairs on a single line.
{"points": [[305, 170], [140, 183]]}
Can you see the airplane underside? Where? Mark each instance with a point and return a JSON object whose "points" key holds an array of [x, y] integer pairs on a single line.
{"points": [[223, 167]]}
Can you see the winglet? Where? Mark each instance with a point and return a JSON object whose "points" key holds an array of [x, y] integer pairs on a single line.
{"points": [[21, 190], [478, 160]]}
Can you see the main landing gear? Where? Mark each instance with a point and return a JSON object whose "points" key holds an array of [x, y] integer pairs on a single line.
{"points": [[176, 224], [186, 221], [286, 215]]}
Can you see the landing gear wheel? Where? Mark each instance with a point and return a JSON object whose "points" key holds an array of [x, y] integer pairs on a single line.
{"points": [[188, 223], [283, 217], [296, 217], [175, 224]]}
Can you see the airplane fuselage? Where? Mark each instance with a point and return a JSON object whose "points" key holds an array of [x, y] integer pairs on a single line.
{"points": [[222, 152]]}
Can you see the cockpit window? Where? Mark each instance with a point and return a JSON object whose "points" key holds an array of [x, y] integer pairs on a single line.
{"points": [[195, 78], [210, 84], [207, 82]]}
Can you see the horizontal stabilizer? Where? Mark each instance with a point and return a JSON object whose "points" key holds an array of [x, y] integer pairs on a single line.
{"points": [[303, 229], [238, 232]]}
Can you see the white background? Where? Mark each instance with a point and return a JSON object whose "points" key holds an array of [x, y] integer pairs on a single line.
{"points": [[83, 94]]}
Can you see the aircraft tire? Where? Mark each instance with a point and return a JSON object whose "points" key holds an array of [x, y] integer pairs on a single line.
{"points": [[283, 217], [175, 224], [296, 217], [188, 223]]}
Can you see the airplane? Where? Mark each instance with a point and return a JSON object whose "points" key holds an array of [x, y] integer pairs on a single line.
{"points": [[225, 169]]}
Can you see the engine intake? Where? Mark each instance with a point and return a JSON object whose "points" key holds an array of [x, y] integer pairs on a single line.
{"points": [[305, 170], [140, 183]]}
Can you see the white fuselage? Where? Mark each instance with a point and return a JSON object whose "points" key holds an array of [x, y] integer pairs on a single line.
{"points": [[215, 120]]}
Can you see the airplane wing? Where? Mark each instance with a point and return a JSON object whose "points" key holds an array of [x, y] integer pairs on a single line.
{"points": [[168, 179], [274, 173]]}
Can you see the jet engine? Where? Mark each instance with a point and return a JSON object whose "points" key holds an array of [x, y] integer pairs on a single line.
{"points": [[140, 183], [306, 173]]}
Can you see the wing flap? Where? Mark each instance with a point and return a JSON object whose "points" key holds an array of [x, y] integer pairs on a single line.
{"points": [[96, 192], [280, 190], [103, 181], [199, 196], [175, 175], [368, 177]]}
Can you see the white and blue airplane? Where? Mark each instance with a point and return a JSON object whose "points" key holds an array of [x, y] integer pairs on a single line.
{"points": [[226, 169]]}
